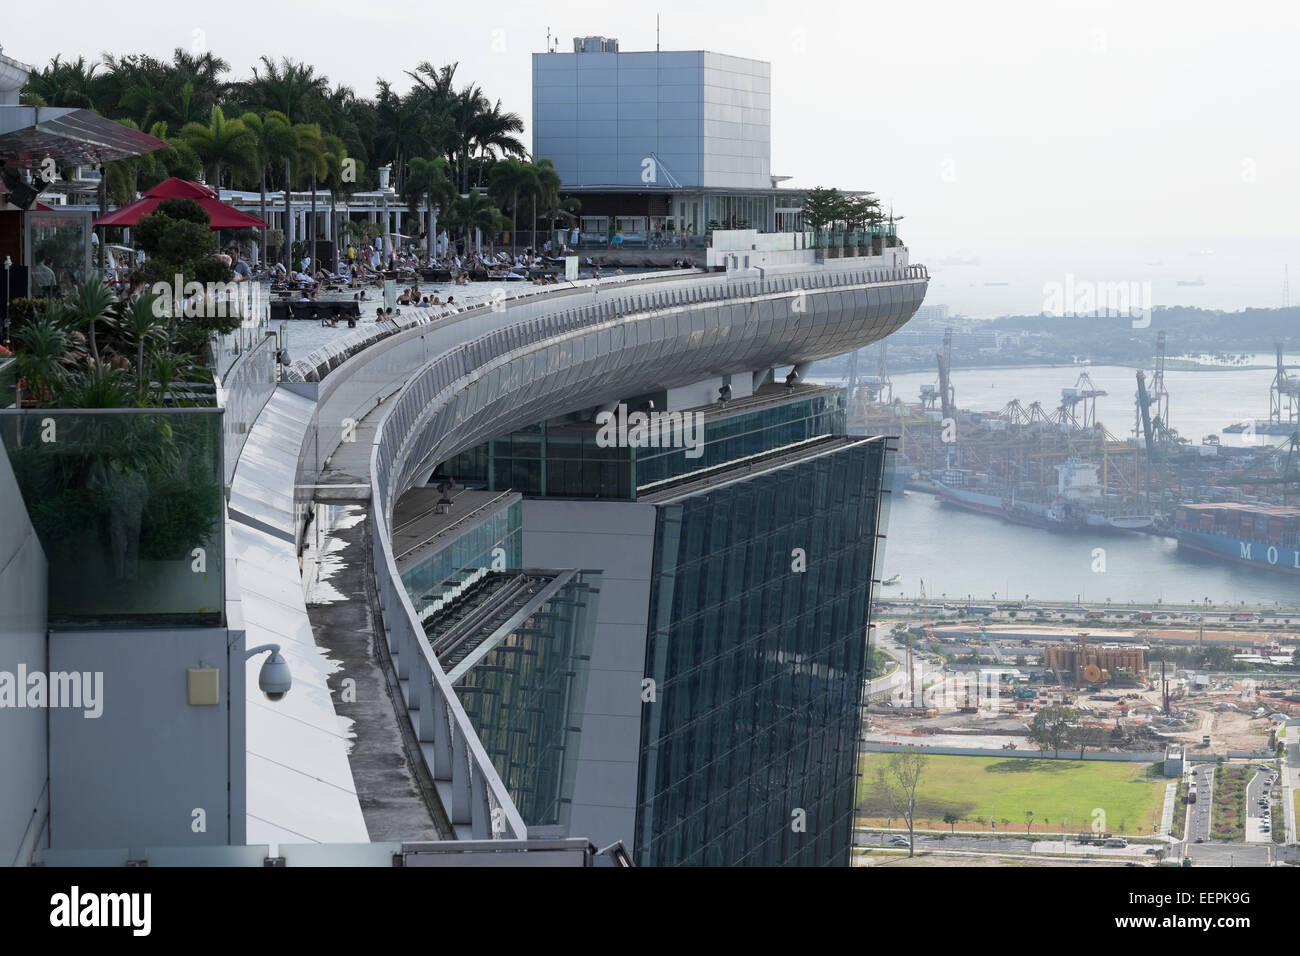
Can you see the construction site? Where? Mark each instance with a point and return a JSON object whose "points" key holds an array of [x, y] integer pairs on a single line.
{"points": [[963, 687], [1021, 453]]}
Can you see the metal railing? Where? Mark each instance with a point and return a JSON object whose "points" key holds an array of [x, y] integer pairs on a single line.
{"points": [[712, 287], [469, 786], [243, 392], [476, 796]]}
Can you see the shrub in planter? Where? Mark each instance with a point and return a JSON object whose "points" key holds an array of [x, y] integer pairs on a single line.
{"points": [[22, 311]]}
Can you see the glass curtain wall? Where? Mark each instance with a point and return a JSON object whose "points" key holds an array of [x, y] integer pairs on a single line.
{"points": [[526, 697], [758, 653]]}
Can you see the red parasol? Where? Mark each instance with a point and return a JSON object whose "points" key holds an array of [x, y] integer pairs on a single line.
{"points": [[221, 215]]}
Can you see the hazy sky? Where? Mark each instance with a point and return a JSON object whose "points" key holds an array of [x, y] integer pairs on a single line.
{"points": [[1061, 125]]}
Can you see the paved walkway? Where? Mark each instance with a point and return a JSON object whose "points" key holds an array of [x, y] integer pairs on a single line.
{"points": [[1167, 814], [395, 795], [1291, 782]]}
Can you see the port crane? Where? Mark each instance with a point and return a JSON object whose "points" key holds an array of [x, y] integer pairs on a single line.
{"points": [[947, 398], [1144, 415], [1082, 396], [1290, 471], [1283, 395], [993, 646]]}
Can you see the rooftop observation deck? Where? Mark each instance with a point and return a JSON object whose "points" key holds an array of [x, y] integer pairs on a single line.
{"points": [[365, 430]]}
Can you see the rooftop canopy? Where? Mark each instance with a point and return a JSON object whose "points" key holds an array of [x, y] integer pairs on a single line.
{"points": [[71, 137], [220, 215]]}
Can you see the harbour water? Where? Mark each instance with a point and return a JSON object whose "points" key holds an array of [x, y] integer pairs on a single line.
{"points": [[1201, 402], [961, 553]]}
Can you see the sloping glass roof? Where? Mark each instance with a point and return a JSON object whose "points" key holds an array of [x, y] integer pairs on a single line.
{"points": [[71, 137]]}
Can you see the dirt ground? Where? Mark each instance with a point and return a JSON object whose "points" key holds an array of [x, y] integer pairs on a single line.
{"points": [[1228, 729]]}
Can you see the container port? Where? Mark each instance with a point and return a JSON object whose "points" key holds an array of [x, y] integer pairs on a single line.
{"points": [[1063, 469]]}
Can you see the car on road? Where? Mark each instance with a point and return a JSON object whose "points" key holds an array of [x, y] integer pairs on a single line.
{"points": [[899, 841]]}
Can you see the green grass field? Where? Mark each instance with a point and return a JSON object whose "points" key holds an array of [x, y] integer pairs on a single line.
{"points": [[975, 788]]}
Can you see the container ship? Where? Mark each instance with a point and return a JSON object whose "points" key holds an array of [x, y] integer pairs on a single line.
{"points": [[1078, 503], [1263, 536]]}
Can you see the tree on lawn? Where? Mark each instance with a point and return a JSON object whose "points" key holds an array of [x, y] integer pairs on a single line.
{"points": [[1051, 728], [1085, 735], [952, 820], [896, 784]]}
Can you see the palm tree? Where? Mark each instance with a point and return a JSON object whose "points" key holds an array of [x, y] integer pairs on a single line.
{"points": [[340, 184], [168, 366], [123, 176], [400, 132], [42, 344], [508, 179], [312, 160], [202, 74], [547, 194], [138, 322], [493, 131], [222, 144], [90, 302], [149, 90], [428, 181], [481, 125], [99, 386], [275, 139], [292, 88], [434, 96], [475, 211], [62, 83], [566, 209]]}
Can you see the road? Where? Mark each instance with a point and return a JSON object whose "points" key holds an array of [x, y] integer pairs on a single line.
{"points": [[1261, 787], [1198, 813], [1006, 844], [1291, 772]]}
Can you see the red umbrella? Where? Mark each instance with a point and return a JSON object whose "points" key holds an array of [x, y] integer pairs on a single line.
{"points": [[221, 215]]}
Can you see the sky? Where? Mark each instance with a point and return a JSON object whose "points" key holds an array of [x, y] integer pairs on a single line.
{"points": [[1135, 140]]}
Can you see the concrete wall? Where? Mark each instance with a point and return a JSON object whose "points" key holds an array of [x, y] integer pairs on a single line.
{"points": [[617, 538], [24, 797], [134, 775]]}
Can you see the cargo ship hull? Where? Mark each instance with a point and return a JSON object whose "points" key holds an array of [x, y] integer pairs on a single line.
{"points": [[1260, 536], [1257, 554], [1058, 516], [970, 500]]}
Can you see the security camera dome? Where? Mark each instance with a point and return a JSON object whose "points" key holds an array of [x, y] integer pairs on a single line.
{"points": [[274, 678]]}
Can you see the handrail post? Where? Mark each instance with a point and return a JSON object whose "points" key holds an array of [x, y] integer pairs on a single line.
{"points": [[442, 728], [461, 812], [481, 813]]}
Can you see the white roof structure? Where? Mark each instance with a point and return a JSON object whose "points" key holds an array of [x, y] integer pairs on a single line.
{"points": [[300, 787]]}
